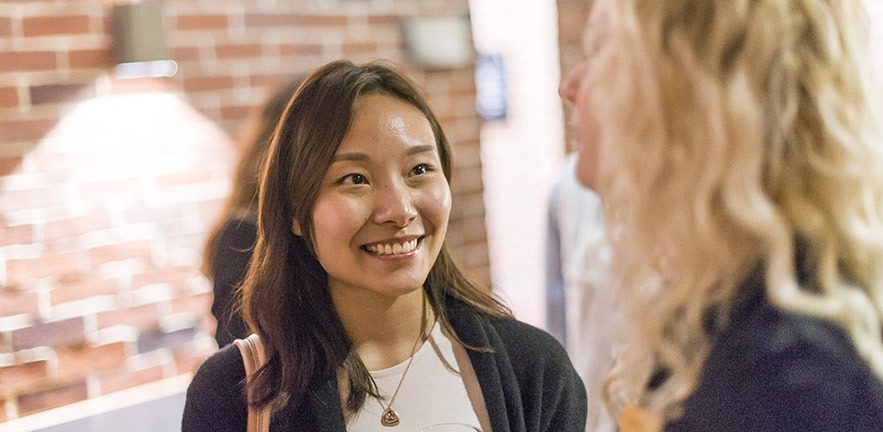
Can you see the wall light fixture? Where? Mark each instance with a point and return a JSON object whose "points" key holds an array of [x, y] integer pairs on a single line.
{"points": [[139, 41]]}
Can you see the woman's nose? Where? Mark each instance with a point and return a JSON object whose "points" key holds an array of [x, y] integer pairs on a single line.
{"points": [[569, 87], [395, 204]]}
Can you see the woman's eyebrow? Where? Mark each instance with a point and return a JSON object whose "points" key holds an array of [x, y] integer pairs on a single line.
{"points": [[420, 149], [362, 157], [357, 157]]}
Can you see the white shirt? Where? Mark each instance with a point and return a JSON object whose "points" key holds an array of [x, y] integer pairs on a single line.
{"points": [[433, 392], [594, 321]]}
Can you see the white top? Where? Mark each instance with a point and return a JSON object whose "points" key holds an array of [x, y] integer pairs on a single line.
{"points": [[594, 319], [440, 387]]}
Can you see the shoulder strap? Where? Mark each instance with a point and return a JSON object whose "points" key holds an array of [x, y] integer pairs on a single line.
{"points": [[252, 351]]}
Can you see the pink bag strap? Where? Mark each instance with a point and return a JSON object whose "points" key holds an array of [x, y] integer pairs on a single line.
{"points": [[252, 351]]}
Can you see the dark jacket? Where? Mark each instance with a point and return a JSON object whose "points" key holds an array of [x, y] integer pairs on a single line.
{"points": [[769, 370], [231, 258], [528, 383]]}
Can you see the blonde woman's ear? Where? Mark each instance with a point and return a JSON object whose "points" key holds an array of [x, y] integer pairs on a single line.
{"points": [[295, 228]]}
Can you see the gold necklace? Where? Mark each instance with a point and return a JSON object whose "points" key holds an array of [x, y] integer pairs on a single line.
{"points": [[390, 417]]}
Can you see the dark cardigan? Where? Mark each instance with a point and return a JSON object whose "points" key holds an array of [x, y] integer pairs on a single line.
{"points": [[770, 370], [528, 383]]}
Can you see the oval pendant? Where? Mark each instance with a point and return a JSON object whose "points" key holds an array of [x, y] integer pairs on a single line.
{"points": [[389, 418]]}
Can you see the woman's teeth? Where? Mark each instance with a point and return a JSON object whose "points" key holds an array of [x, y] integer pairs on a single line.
{"points": [[393, 249]]}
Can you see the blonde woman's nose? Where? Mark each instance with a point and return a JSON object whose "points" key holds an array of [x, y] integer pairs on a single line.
{"points": [[569, 88]]}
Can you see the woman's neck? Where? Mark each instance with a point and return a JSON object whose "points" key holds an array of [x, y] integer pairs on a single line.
{"points": [[384, 330]]}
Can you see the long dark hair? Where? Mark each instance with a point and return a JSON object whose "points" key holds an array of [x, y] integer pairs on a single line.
{"points": [[286, 296], [254, 144]]}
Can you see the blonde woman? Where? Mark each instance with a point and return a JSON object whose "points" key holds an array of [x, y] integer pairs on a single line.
{"points": [[736, 145]]}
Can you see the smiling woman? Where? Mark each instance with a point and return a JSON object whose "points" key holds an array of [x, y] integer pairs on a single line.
{"points": [[366, 321]]}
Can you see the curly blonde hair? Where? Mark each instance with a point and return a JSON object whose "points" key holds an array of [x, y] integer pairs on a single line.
{"points": [[731, 129]]}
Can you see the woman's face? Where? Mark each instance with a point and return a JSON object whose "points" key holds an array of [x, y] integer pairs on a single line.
{"points": [[577, 88], [382, 211]]}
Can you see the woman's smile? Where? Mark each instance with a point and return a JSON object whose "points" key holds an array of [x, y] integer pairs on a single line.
{"points": [[397, 248]]}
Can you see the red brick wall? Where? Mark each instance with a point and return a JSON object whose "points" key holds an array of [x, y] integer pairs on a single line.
{"points": [[107, 187]]}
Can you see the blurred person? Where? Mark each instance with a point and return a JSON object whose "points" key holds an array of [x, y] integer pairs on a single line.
{"points": [[231, 240], [581, 307], [366, 321], [737, 148]]}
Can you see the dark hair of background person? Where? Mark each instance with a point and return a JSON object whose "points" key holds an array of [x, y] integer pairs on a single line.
{"points": [[228, 249], [286, 296]]}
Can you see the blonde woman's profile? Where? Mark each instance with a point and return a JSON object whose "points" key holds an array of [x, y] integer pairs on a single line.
{"points": [[737, 148]]}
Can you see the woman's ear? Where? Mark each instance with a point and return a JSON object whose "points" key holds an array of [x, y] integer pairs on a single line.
{"points": [[295, 228]]}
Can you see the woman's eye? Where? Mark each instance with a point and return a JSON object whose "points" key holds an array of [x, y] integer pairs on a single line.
{"points": [[420, 169], [355, 179]]}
